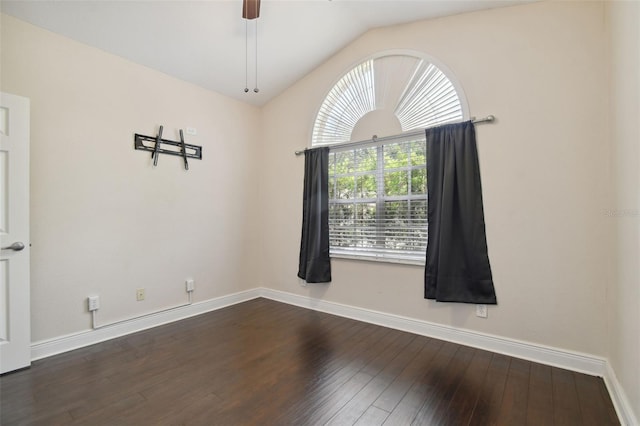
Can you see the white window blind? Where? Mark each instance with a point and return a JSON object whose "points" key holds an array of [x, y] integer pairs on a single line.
{"points": [[378, 199]]}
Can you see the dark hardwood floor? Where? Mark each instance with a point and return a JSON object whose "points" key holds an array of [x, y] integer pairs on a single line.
{"points": [[263, 362]]}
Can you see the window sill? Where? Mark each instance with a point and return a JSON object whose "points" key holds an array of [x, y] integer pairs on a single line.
{"points": [[374, 258]]}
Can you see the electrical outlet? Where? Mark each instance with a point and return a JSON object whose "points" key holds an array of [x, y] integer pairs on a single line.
{"points": [[93, 303], [190, 285], [140, 294], [481, 311]]}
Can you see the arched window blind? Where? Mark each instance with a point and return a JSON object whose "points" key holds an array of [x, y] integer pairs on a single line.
{"points": [[417, 91]]}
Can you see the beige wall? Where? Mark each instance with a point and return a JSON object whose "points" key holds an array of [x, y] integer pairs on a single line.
{"points": [[103, 221], [540, 68], [624, 296]]}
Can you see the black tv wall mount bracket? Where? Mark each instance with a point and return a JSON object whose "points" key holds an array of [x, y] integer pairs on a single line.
{"points": [[156, 145]]}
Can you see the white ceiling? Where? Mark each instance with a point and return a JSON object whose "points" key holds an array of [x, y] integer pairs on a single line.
{"points": [[203, 42]]}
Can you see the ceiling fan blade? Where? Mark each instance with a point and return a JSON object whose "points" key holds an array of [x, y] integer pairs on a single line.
{"points": [[250, 9]]}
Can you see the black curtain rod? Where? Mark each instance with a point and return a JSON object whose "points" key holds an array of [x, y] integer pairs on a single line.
{"points": [[487, 119]]}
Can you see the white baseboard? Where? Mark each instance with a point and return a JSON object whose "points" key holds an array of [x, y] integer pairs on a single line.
{"points": [[619, 398], [569, 360], [46, 348]]}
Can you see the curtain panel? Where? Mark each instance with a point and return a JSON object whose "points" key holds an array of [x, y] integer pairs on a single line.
{"points": [[457, 263], [315, 265]]}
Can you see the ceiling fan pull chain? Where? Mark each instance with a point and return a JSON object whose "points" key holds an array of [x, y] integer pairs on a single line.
{"points": [[246, 56], [256, 90]]}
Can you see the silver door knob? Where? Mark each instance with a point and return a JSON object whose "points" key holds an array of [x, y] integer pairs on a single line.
{"points": [[17, 246]]}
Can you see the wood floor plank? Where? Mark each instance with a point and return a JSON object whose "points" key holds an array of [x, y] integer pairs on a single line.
{"points": [[326, 403], [294, 362], [385, 372], [513, 410], [405, 412], [319, 368], [199, 411], [398, 360], [267, 363], [487, 408], [122, 408], [394, 393], [566, 407], [283, 376], [48, 419], [358, 405], [437, 399], [463, 402], [594, 409], [540, 404], [374, 416], [387, 350], [337, 400]]}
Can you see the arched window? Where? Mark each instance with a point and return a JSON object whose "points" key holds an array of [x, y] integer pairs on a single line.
{"points": [[378, 187], [407, 89]]}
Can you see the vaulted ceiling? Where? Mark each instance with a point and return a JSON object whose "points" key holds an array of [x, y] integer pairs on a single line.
{"points": [[205, 42]]}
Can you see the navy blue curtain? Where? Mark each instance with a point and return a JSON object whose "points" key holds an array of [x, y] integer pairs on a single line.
{"points": [[457, 265], [315, 265]]}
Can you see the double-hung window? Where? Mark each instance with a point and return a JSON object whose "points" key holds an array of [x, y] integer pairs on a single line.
{"points": [[378, 200]]}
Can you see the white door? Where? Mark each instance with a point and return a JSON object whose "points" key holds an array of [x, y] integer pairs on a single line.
{"points": [[15, 325]]}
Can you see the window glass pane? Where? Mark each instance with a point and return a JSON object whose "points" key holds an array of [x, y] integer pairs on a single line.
{"points": [[341, 224], [366, 159], [345, 187], [418, 153], [344, 162], [395, 211], [366, 221], [419, 181], [396, 183], [366, 186], [418, 226], [332, 187], [332, 163], [396, 220], [419, 211], [396, 155]]}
